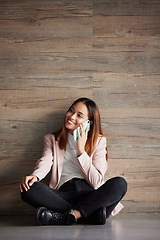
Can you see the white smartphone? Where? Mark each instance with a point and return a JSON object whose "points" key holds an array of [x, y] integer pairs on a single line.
{"points": [[75, 133]]}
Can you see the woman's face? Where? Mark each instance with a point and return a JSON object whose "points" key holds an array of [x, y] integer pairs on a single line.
{"points": [[75, 116]]}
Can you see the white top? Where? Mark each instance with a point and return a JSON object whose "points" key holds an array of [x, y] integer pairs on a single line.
{"points": [[71, 167]]}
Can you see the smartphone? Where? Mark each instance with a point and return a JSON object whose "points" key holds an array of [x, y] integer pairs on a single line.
{"points": [[75, 133]]}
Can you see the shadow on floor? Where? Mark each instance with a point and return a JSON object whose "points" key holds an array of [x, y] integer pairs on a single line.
{"points": [[27, 220]]}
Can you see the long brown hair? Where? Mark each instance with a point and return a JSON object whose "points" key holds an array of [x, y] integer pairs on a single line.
{"points": [[95, 127]]}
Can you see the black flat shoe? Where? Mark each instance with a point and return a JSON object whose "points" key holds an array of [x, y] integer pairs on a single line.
{"points": [[96, 218], [49, 217]]}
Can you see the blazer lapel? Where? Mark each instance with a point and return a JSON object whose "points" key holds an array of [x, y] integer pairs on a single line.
{"points": [[60, 158]]}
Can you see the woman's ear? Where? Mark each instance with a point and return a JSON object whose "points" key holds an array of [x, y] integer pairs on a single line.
{"points": [[91, 122]]}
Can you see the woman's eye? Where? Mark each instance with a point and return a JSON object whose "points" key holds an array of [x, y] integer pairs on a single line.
{"points": [[79, 115]]}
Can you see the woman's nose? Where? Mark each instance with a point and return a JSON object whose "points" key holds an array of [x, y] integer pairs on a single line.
{"points": [[73, 116]]}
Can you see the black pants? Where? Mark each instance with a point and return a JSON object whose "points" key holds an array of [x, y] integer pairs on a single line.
{"points": [[77, 194]]}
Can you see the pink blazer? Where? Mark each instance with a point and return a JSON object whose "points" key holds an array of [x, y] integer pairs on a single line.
{"points": [[93, 168]]}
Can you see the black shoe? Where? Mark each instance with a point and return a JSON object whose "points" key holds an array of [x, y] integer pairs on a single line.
{"points": [[49, 217], [96, 218]]}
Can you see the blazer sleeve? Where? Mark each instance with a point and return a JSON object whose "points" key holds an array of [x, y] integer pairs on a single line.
{"points": [[44, 164], [93, 168]]}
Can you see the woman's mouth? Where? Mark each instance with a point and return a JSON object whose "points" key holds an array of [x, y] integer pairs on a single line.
{"points": [[71, 122]]}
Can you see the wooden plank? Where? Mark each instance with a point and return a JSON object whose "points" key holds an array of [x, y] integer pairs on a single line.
{"points": [[45, 29], [123, 26], [114, 90], [45, 9], [149, 193], [43, 97], [60, 80], [93, 61], [128, 44], [135, 172], [126, 8]]}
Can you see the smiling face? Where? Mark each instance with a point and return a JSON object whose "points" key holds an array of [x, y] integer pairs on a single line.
{"points": [[75, 116]]}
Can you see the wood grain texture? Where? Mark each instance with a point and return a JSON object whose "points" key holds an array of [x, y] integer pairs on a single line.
{"points": [[126, 8], [52, 52]]}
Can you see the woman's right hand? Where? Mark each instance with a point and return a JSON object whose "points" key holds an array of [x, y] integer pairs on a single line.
{"points": [[27, 182]]}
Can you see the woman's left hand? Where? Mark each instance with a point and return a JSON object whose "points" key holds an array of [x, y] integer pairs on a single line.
{"points": [[82, 139]]}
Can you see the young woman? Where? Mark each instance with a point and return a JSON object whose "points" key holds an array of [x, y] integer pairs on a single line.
{"points": [[77, 191]]}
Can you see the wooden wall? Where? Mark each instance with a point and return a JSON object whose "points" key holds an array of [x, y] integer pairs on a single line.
{"points": [[52, 52]]}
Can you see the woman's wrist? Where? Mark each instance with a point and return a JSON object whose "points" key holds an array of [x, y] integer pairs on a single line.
{"points": [[36, 177]]}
